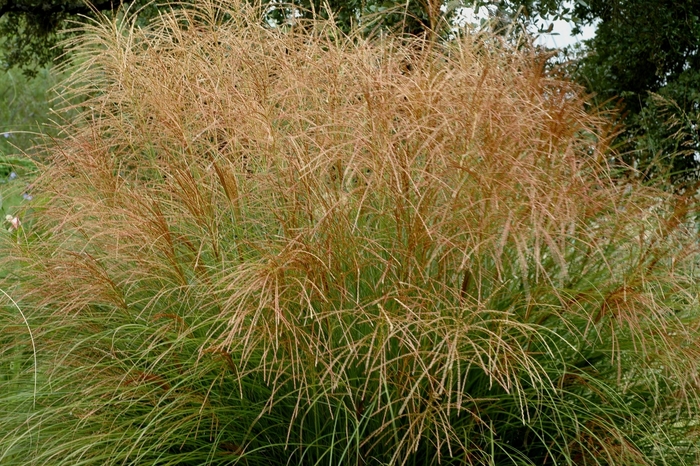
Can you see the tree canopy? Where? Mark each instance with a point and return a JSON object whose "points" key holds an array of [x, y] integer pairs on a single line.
{"points": [[28, 28], [646, 56]]}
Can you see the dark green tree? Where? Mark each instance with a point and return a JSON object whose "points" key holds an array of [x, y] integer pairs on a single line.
{"points": [[29, 28], [646, 54]]}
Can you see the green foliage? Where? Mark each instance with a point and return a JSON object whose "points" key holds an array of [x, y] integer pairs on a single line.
{"points": [[31, 31], [28, 31], [26, 110], [260, 246], [27, 41], [24, 113], [643, 47]]}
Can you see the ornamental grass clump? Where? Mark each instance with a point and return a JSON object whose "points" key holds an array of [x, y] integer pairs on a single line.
{"points": [[285, 245]]}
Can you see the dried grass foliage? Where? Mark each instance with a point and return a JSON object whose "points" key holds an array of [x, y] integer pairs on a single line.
{"points": [[396, 235]]}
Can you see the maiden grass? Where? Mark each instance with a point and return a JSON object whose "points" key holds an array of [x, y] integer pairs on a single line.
{"points": [[295, 247]]}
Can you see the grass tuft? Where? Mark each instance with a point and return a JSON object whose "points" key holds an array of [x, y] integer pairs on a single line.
{"points": [[267, 246]]}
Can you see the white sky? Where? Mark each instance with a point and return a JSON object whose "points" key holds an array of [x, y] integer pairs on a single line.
{"points": [[559, 37], [564, 36]]}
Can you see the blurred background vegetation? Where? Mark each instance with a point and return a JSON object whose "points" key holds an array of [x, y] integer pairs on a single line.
{"points": [[25, 121]]}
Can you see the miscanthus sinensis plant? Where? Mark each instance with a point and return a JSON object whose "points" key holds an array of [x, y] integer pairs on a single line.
{"points": [[290, 246]]}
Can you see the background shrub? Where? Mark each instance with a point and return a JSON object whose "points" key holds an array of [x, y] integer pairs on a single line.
{"points": [[298, 247]]}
